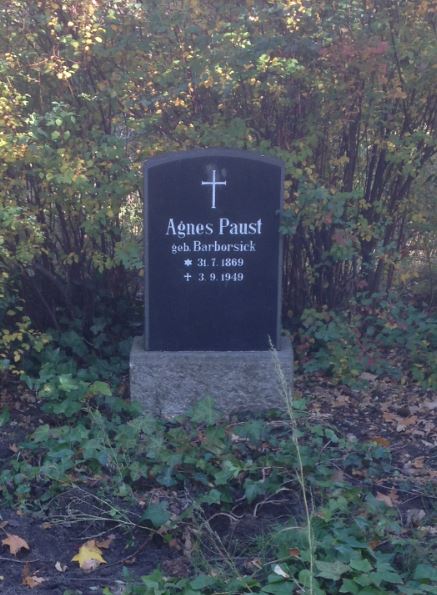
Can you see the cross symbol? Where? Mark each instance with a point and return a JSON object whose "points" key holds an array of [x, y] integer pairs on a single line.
{"points": [[187, 276], [213, 183]]}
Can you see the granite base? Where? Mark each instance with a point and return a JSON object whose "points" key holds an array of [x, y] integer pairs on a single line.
{"points": [[168, 383]]}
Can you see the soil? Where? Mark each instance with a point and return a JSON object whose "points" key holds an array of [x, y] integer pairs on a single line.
{"points": [[398, 417]]}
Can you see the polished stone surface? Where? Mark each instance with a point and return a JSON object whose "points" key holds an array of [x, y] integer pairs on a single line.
{"points": [[212, 251]]}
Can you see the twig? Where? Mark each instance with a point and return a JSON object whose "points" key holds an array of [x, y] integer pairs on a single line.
{"points": [[18, 561]]}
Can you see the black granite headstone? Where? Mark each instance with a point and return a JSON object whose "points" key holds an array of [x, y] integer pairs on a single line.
{"points": [[212, 251]]}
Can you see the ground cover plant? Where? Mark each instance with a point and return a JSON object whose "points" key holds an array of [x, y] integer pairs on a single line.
{"points": [[209, 505]]}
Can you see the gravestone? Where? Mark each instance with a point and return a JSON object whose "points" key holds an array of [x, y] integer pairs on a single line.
{"points": [[212, 282]]}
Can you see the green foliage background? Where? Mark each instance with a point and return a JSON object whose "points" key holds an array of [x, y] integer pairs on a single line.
{"points": [[341, 91]]}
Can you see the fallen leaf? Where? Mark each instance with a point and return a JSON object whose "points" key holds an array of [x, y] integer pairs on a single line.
{"points": [[13, 447], [384, 498], [187, 543], [174, 544], [381, 441], [46, 525], [106, 543], [409, 421], [341, 401], [390, 417], [414, 517], [60, 567], [254, 563], [428, 530], [33, 581], [294, 552], [367, 376], [359, 472], [418, 462], [337, 476], [15, 543], [278, 570], [388, 499], [431, 405], [176, 567], [89, 556]]}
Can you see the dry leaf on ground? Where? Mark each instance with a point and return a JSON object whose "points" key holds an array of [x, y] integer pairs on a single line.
{"points": [[106, 543], [381, 441], [414, 517], [15, 543], [280, 572], [294, 552], [89, 556], [388, 499], [33, 581]]}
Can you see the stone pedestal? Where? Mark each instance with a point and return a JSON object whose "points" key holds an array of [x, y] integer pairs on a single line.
{"points": [[168, 383]]}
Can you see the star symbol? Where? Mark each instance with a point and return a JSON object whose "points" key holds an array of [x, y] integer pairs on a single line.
{"points": [[188, 262]]}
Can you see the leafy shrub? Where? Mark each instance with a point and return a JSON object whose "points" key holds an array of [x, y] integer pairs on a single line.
{"points": [[380, 334]]}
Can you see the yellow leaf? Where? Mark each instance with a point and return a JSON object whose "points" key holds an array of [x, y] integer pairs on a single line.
{"points": [[89, 556], [15, 543]]}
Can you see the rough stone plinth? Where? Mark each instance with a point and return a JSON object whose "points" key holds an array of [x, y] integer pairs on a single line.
{"points": [[168, 383]]}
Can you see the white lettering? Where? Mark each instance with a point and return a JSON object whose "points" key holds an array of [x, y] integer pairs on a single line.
{"points": [[184, 247], [237, 229], [199, 246], [182, 230]]}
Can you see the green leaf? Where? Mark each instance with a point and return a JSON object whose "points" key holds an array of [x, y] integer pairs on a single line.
{"points": [[389, 577], [425, 572], [100, 388], [361, 564], [4, 416], [230, 470], [212, 497], [204, 412], [331, 570], [157, 514], [349, 586], [282, 588], [385, 572], [201, 582], [253, 489], [67, 383]]}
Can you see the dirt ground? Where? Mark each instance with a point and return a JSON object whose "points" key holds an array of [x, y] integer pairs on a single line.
{"points": [[398, 417]]}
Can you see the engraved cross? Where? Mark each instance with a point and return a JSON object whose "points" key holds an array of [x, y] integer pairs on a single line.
{"points": [[213, 183]]}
